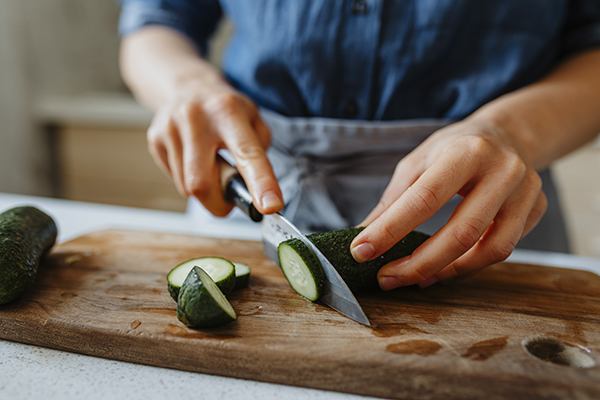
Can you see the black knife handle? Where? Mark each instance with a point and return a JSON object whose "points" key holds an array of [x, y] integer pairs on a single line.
{"points": [[235, 190]]}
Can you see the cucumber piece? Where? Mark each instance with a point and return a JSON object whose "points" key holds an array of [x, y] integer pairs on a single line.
{"points": [[242, 275], [26, 235], [301, 268], [335, 246], [220, 270], [201, 302]]}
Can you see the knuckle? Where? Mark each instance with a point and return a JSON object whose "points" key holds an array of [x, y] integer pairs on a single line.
{"points": [[247, 152], [478, 145], [534, 180], [198, 186], [224, 104], [423, 202], [185, 111], [421, 273], [515, 167], [501, 250], [467, 233]]}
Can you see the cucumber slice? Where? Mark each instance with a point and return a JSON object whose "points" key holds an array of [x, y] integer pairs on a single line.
{"points": [[301, 268], [242, 275], [220, 270], [201, 302]]}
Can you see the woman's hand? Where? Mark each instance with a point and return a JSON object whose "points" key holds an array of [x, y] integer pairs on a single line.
{"points": [[197, 114], [502, 202], [187, 132]]}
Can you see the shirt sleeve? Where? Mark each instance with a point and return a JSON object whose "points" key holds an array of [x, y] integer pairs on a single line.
{"points": [[582, 30], [196, 19]]}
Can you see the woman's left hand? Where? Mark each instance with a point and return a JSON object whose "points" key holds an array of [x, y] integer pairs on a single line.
{"points": [[502, 202]]}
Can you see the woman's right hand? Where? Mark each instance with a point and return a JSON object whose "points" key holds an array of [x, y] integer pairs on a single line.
{"points": [[197, 114], [187, 132]]}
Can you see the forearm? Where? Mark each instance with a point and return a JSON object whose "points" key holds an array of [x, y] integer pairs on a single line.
{"points": [[554, 116], [158, 62]]}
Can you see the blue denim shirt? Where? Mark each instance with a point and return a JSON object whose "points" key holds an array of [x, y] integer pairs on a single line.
{"points": [[380, 60]]}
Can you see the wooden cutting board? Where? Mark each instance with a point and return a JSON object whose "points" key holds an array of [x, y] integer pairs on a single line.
{"points": [[105, 294]]}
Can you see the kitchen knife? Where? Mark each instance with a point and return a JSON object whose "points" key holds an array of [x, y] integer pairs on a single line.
{"points": [[275, 229]]}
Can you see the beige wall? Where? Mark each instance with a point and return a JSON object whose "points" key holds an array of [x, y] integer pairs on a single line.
{"points": [[48, 47]]}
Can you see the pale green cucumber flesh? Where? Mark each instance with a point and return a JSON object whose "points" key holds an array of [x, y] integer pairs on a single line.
{"points": [[242, 275], [219, 269], [301, 268]]}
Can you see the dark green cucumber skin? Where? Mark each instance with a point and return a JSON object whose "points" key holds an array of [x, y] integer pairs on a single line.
{"points": [[311, 261], [26, 234], [242, 282], [196, 307], [335, 245]]}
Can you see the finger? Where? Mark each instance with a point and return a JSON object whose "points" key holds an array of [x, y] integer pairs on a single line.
{"points": [[518, 213], [158, 151], [536, 214], [405, 174], [418, 203], [466, 226], [200, 170], [262, 132], [173, 149], [252, 163]]}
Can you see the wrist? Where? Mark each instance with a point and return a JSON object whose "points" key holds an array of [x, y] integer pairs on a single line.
{"points": [[510, 128]]}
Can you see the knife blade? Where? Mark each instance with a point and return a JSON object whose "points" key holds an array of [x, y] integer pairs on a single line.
{"points": [[275, 228]]}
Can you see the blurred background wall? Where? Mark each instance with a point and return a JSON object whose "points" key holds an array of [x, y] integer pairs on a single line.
{"points": [[70, 129], [48, 48]]}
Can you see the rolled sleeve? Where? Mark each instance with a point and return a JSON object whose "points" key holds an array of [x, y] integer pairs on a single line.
{"points": [[196, 19], [582, 30]]}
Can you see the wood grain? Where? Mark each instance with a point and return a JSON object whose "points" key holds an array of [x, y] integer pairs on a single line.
{"points": [[105, 294]]}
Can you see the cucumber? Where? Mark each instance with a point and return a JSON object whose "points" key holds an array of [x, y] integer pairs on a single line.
{"points": [[26, 234], [220, 270], [242, 275], [201, 303], [335, 246], [301, 268]]}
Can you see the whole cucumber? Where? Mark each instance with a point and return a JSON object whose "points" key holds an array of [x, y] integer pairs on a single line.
{"points": [[26, 234]]}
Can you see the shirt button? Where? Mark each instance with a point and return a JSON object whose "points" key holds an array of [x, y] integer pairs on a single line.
{"points": [[359, 7], [351, 109]]}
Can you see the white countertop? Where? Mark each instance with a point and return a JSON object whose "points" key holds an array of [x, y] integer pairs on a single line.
{"points": [[30, 372]]}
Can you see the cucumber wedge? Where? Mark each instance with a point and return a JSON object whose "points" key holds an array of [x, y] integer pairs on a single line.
{"points": [[295, 256], [242, 275], [201, 303], [301, 268], [220, 270]]}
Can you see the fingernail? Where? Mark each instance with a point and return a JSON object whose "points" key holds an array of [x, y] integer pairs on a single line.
{"points": [[363, 252], [428, 282], [388, 282], [270, 200]]}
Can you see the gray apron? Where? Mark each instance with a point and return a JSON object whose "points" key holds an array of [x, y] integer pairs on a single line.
{"points": [[333, 172]]}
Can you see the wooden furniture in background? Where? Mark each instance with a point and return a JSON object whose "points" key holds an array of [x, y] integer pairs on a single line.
{"points": [[101, 155], [112, 166]]}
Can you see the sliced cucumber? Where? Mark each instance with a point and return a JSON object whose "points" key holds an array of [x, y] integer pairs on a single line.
{"points": [[201, 302], [242, 275], [220, 270], [301, 268], [304, 272]]}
